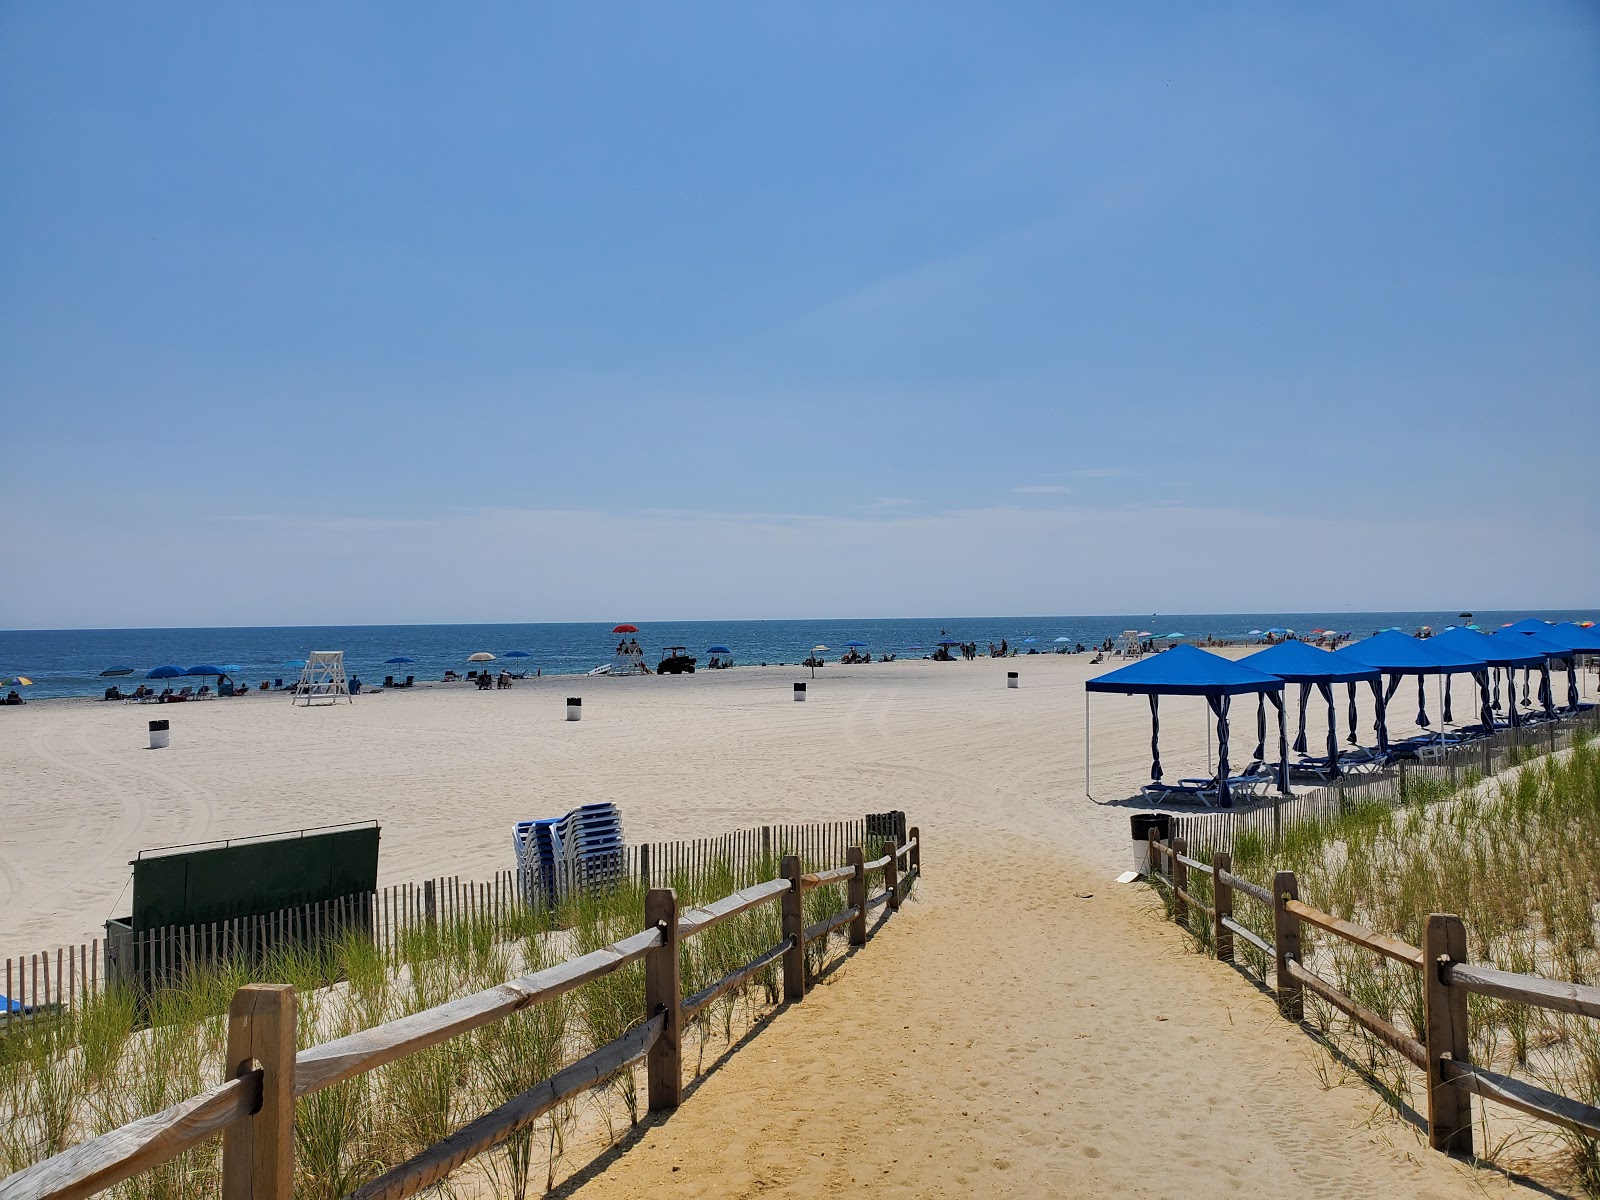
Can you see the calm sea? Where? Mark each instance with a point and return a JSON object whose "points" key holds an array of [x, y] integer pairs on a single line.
{"points": [[69, 662]]}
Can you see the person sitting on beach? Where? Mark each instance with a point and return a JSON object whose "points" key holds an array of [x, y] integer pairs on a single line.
{"points": [[13, 698]]}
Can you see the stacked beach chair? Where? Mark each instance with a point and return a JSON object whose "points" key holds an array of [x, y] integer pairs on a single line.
{"points": [[556, 854]]}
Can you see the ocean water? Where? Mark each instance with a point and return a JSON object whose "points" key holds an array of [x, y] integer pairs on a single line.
{"points": [[69, 662]]}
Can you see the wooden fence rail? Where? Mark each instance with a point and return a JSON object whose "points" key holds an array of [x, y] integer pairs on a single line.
{"points": [[1444, 1053], [254, 1110]]}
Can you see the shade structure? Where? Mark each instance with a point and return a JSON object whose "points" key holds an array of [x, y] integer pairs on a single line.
{"points": [[205, 669], [1309, 666], [516, 654], [1063, 639], [625, 629], [1298, 662], [1503, 654], [480, 656], [1189, 671], [1396, 653], [855, 645], [718, 650], [818, 648], [1185, 671], [1496, 651], [1564, 641], [1399, 654], [1585, 639], [166, 671], [398, 661], [20, 681], [111, 672]]}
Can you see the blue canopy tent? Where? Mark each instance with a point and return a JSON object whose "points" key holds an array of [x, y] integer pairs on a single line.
{"points": [[1564, 642], [1399, 654], [1503, 654], [1190, 671], [1297, 662]]}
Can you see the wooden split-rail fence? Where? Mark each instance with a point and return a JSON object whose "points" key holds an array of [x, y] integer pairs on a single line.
{"points": [[253, 1109], [42, 984], [1444, 1052]]}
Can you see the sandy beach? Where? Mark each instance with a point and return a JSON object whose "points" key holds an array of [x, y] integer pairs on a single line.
{"points": [[1029, 1028]]}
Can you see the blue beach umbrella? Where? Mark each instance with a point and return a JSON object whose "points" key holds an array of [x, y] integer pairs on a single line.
{"points": [[401, 660], [205, 669], [109, 672], [1170, 636], [1063, 639], [857, 645], [516, 654], [169, 671], [718, 650]]}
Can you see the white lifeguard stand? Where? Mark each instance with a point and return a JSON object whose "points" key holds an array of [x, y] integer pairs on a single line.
{"points": [[1129, 645], [322, 679], [628, 660]]}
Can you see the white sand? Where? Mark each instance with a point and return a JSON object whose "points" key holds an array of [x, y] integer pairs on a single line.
{"points": [[1009, 1037]]}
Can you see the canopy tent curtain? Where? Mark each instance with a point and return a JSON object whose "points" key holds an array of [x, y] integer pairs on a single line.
{"points": [[1398, 655], [1311, 666], [1500, 654], [1188, 671], [1566, 642]]}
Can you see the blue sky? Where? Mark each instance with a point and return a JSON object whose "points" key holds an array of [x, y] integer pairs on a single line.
{"points": [[384, 312]]}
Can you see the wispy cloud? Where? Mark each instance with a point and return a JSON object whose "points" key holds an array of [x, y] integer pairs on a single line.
{"points": [[1043, 489]]}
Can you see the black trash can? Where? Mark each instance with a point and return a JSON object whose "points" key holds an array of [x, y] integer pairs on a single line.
{"points": [[1142, 824]]}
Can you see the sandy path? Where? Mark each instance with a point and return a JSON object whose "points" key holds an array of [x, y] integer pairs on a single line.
{"points": [[1005, 1037]]}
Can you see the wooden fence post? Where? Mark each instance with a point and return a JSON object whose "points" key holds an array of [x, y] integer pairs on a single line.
{"points": [[1222, 901], [1445, 1013], [258, 1151], [858, 895], [430, 910], [1286, 944], [1152, 855], [794, 928], [663, 993], [891, 876], [1180, 882]]}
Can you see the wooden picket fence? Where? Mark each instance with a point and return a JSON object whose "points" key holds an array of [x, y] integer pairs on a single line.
{"points": [[42, 984], [1432, 776], [254, 1109], [1444, 1053]]}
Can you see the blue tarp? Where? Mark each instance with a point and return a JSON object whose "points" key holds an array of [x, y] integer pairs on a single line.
{"points": [[1185, 671], [1300, 663]]}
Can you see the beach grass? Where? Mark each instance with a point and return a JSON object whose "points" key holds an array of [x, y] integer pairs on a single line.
{"points": [[119, 1056], [1516, 859]]}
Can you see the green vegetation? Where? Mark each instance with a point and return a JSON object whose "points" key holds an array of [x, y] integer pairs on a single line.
{"points": [[113, 1060], [1518, 859]]}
